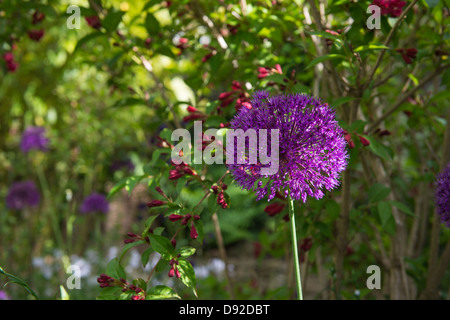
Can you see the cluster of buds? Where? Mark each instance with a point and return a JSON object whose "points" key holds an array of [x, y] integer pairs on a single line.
{"points": [[174, 272], [11, 65], [220, 191], [407, 54], [274, 208], [351, 144], [107, 281], [181, 170], [185, 219], [392, 8], [93, 22], [36, 34], [194, 114], [134, 237], [238, 93], [264, 71]]}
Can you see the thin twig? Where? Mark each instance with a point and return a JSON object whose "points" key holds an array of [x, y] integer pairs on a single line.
{"points": [[387, 41]]}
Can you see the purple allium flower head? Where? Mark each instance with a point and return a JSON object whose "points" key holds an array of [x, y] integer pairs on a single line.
{"points": [[34, 138], [95, 202], [22, 194], [4, 295], [442, 195], [312, 147]]}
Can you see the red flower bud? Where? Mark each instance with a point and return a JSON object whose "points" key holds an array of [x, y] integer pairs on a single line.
{"points": [[225, 95], [236, 85], [364, 141], [156, 203], [194, 116], [36, 35], [175, 217], [194, 233], [191, 109], [171, 272], [93, 21], [306, 244], [274, 208], [37, 17]]}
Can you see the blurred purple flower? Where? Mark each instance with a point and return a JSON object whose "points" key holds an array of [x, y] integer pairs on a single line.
{"points": [[95, 202], [122, 164], [312, 147], [442, 195], [34, 138], [4, 295], [22, 194]]}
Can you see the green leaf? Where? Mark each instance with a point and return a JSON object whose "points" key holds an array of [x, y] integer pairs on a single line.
{"points": [[148, 225], [88, 38], [156, 155], [115, 270], [166, 134], [109, 293], [277, 78], [337, 102], [128, 246], [370, 47], [402, 207], [378, 148], [127, 102], [358, 126], [132, 182], [378, 192], [384, 212], [140, 283], [386, 218], [117, 187], [152, 25], [187, 274], [185, 252], [330, 56], [162, 245], [112, 20], [199, 226], [18, 281], [63, 293], [146, 256], [161, 292], [324, 34], [300, 88], [332, 209]]}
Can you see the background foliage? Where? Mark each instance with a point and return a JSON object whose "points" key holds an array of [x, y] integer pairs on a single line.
{"points": [[104, 95]]}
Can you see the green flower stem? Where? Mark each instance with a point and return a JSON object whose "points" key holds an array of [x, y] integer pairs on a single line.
{"points": [[295, 248]]}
